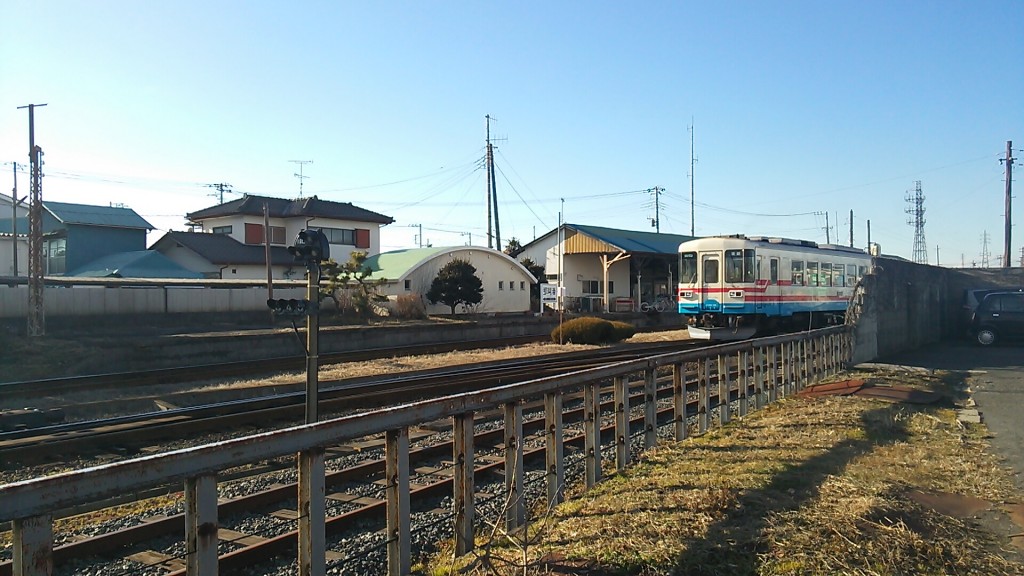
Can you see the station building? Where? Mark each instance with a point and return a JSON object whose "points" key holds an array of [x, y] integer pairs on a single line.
{"points": [[607, 269]]}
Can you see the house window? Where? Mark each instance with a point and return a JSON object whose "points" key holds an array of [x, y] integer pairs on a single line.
{"points": [[408, 285], [501, 284], [597, 287], [522, 285], [277, 235], [340, 236], [222, 229], [512, 285], [55, 253]]}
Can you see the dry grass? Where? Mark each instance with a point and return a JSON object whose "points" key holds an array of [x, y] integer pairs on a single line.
{"points": [[806, 486]]}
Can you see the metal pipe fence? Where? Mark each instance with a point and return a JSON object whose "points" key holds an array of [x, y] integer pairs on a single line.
{"points": [[727, 380]]}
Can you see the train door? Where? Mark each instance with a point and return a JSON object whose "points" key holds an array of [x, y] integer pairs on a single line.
{"points": [[712, 285], [772, 293]]}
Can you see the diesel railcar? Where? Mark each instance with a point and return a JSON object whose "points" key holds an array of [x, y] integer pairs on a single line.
{"points": [[763, 283]]}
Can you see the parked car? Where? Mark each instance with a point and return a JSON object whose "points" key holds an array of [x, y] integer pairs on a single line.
{"points": [[999, 316]]}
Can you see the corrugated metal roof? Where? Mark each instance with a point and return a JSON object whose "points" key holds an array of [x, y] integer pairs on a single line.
{"points": [[221, 249], [615, 240], [135, 264], [282, 208], [396, 264], [96, 215]]}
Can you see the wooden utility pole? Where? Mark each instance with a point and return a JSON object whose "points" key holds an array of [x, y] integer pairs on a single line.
{"points": [[851, 228], [1009, 189], [36, 317]]}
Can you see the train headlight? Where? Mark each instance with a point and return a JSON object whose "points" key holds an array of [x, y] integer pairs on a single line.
{"points": [[736, 294]]}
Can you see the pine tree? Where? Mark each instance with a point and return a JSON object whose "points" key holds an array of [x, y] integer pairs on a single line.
{"points": [[456, 283]]}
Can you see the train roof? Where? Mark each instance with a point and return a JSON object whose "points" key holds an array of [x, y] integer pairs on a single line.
{"points": [[781, 241]]}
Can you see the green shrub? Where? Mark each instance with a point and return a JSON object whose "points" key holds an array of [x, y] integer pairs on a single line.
{"points": [[590, 330]]}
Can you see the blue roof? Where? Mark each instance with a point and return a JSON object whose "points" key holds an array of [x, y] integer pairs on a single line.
{"points": [[136, 264], [634, 242], [96, 215]]}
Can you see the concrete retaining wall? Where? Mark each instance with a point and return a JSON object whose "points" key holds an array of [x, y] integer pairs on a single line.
{"points": [[907, 305]]}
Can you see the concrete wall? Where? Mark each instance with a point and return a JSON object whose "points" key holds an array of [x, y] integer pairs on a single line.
{"points": [[905, 305]]}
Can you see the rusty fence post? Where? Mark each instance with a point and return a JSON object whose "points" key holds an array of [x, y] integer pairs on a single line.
{"points": [[33, 546], [703, 394], [462, 455], [312, 513], [743, 380], [396, 455], [651, 406], [679, 399], [553, 450], [592, 432], [724, 390], [515, 510], [620, 385], [201, 525]]}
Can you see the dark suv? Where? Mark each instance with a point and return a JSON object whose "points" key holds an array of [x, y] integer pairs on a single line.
{"points": [[999, 316]]}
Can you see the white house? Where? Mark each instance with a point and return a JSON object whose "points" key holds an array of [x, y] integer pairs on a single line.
{"points": [[506, 283], [232, 243]]}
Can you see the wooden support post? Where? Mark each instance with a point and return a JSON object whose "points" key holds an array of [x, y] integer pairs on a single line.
{"points": [[679, 399], [553, 450], [396, 455], [621, 393], [462, 455], [592, 431], [651, 407], [312, 514], [201, 526], [774, 352], [515, 507], [33, 546]]}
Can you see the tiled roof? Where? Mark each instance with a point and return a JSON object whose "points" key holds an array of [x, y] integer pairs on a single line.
{"points": [[136, 264], [224, 250], [632, 241], [282, 208], [96, 215]]}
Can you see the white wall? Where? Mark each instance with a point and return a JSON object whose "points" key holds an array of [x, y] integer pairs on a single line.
{"points": [[99, 300], [7, 256]]}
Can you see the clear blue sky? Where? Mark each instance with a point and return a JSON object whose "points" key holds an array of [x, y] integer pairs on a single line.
{"points": [[799, 108]]}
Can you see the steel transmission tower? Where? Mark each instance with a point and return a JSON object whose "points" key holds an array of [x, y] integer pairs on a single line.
{"points": [[915, 209]]}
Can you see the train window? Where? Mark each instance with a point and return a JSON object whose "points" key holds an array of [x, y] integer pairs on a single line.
{"points": [[734, 265], [798, 273], [773, 274], [812, 274], [749, 270], [710, 271], [838, 275], [862, 271], [688, 268], [851, 274]]}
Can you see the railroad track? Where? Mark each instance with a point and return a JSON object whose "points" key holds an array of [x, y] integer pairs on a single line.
{"points": [[352, 492], [129, 434]]}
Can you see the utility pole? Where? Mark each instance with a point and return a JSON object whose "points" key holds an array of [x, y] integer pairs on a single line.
{"points": [[656, 221], [693, 161], [828, 230], [221, 188], [36, 315], [936, 254], [300, 175], [915, 210], [492, 191], [851, 228], [1009, 188]]}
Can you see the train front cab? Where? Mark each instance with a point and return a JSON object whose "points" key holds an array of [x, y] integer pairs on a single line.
{"points": [[722, 288]]}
